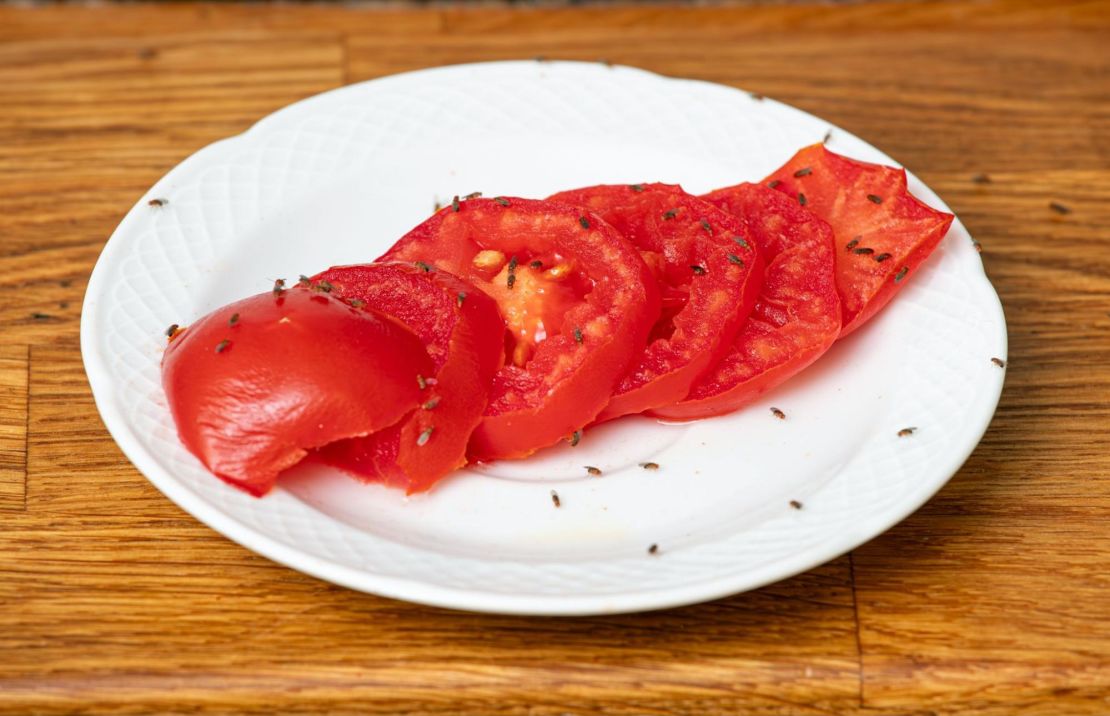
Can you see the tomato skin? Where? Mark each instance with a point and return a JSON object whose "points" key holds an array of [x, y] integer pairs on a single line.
{"points": [[299, 369], [463, 337], [796, 316], [709, 275], [572, 370], [843, 192]]}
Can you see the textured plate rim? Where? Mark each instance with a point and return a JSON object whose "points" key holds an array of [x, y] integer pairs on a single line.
{"points": [[476, 600]]}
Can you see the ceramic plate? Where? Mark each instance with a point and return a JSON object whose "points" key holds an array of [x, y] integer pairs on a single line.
{"points": [[336, 178]]}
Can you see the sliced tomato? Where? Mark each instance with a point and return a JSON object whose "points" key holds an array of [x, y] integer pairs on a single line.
{"points": [[463, 334], [796, 317], [255, 385], [577, 300], [883, 232], [709, 276]]}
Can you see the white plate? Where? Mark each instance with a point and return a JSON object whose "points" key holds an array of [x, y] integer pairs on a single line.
{"points": [[336, 178]]}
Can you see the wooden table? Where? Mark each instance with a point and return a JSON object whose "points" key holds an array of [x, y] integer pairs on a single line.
{"points": [[992, 599]]}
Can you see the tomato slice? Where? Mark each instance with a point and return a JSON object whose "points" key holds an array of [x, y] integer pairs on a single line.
{"points": [[462, 332], [883, 232], [255, 385], [709, 276], [796, 317], [577, 300]]}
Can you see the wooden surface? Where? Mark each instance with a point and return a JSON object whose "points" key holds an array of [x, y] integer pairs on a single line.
{"points": [[992, 599]]}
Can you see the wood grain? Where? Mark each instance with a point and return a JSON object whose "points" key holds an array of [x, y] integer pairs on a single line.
{"points": [[14, 364], [68, 441], [1003, 630], [990, 600]]}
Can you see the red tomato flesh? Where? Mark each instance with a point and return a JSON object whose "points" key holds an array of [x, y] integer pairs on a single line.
{"points": [[709, 276], [796, 317], [462, 332], [883, 233], [255, 385], [577, 299]]}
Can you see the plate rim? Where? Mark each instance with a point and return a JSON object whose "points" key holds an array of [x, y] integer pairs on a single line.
{"points": [[415, 590]]}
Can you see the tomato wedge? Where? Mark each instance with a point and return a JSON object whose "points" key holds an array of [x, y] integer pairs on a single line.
{"points": [[709, 276], [577, 300], [463, 334], [884, 233], [255, 385], [796, 317]]}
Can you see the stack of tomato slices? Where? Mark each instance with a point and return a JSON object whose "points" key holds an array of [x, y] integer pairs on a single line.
{"points": [[500, 326]]}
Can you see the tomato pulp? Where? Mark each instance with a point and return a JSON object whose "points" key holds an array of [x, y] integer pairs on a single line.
{"points": [[709, 275], [577, 300], [796, 316]]}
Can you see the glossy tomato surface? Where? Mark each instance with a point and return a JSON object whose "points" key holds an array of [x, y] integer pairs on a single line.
{"points": [[709, 275], [255, 385], [577, 300], [464, 336], [796, 317], [883, 233]]}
